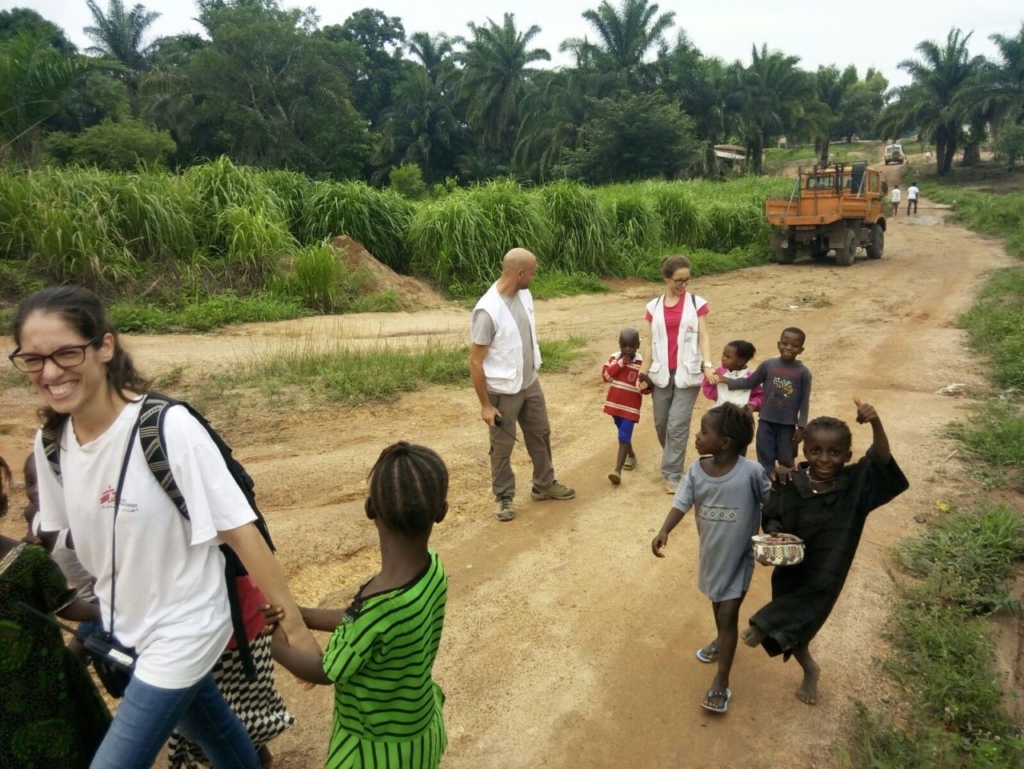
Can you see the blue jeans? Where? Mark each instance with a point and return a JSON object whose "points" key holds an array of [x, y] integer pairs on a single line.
{"points": [[148, 714]]}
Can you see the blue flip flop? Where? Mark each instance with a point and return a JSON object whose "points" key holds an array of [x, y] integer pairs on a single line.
{"points": [[708, 658], [725, 704]]}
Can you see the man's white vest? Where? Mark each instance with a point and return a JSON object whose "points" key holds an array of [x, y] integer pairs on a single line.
{"points": [[688, 361], [503, 365]]}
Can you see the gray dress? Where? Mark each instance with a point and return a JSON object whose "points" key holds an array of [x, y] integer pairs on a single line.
{"points": [[728, 511]]}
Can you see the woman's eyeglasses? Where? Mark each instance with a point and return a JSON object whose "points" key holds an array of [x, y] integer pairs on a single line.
{"points": [[680, 281], [66, 357]]}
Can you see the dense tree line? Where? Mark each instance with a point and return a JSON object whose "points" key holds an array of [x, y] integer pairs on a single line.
{"points": [[268, 86]]}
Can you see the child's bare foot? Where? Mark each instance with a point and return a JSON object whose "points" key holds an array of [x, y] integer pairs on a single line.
{"points": [[808, 691], [752, 636]]}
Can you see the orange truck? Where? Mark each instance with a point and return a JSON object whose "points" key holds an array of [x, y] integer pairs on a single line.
{"points": [[833, 208]]}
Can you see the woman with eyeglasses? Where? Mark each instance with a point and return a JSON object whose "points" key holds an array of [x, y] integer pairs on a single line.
{"points": [[676, 359], [159, 576]]}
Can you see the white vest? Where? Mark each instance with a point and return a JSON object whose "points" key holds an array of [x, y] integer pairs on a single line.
{"points": [[503, 366], [688, 362]]}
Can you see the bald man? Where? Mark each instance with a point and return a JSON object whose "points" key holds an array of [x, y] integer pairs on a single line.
{"points": [[503, 364]]}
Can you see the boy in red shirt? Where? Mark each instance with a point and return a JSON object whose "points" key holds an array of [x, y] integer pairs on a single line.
{"points": [[624, 397]]}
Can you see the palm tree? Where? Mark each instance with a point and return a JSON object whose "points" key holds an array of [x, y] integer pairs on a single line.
{"points": [[626, 35], [772, 97], [118, 35], [434, 52], [833, 89], [34, 79], [1004, 81], [420, 128], [934, 102], [552, 116], [495, 78]]}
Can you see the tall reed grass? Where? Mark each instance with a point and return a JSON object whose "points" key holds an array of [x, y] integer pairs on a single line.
{"points": [[220, 226]]}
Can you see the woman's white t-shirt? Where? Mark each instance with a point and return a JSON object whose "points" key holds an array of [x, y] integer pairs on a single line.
{"points": [[171, 601]]}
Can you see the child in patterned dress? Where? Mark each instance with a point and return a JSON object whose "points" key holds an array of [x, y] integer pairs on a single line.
{"points": [[726, 491]]}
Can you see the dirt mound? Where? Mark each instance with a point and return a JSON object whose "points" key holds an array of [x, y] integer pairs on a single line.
{"points": [[412, 294]]}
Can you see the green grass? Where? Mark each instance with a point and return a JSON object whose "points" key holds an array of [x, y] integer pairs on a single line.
{"points": [[160, 242], [943, 657], [202, 314], [379, 373], [994, 440], [969, 557]]}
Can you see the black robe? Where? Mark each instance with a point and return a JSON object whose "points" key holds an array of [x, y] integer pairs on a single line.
{"points": [[830, 523]]}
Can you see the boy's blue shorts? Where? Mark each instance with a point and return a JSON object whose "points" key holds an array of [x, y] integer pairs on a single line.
{"points": [[625, 429]]}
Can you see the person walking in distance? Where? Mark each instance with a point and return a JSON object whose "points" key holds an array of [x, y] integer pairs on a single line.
{"points": [[894, 199], [912, 195], [503, 364]]}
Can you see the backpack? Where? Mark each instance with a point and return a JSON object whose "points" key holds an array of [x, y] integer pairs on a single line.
{"points": [[151, 437]]}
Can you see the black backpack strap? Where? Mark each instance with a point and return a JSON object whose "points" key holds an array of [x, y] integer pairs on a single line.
{"points": [[151, 435], [151, 428], [51, 448]]}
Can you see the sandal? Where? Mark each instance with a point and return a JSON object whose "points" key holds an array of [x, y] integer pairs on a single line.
{"points": [[725, 696], [708, 654], [630, 463]]}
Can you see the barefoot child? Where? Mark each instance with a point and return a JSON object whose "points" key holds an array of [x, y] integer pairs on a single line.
{"points": [[726, 490], [735, 357], [787, 397], [625, 397], [825, 503], [387, 708]]}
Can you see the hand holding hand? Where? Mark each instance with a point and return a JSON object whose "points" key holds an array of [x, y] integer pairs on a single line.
{"points": [[782, 474], [272, 615]]}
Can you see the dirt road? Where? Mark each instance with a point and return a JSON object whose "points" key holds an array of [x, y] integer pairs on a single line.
{"points": [[567, 644]]}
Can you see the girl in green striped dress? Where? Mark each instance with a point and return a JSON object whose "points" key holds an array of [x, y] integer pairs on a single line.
{"points": [[387, 708]]}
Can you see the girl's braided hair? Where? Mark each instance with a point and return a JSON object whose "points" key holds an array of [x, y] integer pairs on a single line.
{"points": [[833, 424], [408, 488], [6, 479], [735, 424]]}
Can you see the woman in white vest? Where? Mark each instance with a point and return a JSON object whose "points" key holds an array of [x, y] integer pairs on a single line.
{"points": [[676, 358]]}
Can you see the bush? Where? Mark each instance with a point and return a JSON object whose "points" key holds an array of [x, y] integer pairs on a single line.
{"points": [[1010, 144], [122, 146], [407, 181]]}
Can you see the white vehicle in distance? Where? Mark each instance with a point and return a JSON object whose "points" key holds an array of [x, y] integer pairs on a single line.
{"points": [[894, 154]]}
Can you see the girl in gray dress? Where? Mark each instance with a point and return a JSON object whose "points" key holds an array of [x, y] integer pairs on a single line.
{"points": [[727, 491]]}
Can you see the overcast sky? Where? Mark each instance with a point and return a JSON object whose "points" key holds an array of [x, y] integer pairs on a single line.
{"points": [[875, 34]]}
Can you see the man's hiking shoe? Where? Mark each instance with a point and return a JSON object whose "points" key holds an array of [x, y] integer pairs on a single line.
{"points": [[554, 491], [630, 463], [506, 510]]}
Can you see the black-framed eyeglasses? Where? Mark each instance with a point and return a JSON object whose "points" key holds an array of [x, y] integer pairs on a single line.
{"points": [[66, 357], [681, 281]]}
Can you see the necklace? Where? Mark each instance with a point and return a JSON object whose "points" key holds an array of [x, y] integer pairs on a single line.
{"points": [[812, 481]]}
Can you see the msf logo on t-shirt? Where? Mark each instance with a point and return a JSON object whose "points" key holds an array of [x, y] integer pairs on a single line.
{"points": [[108, 497]]}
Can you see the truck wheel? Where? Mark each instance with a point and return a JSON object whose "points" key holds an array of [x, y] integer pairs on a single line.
{"points": [[876, 243], [784, 255], [846, 254]]}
